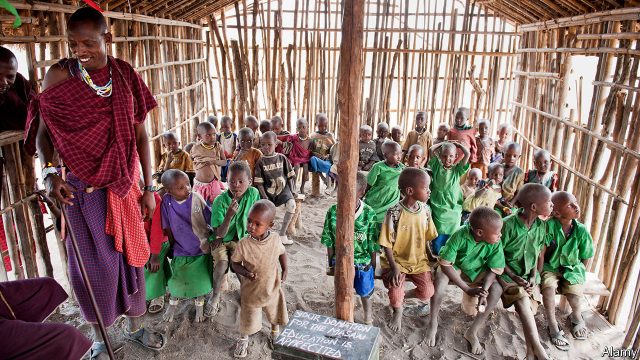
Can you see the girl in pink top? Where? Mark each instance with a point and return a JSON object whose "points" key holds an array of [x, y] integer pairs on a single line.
{"points": [[464, 133], [300, 150]]}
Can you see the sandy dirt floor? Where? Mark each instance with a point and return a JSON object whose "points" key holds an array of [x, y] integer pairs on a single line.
{"points": [[308, 288]]}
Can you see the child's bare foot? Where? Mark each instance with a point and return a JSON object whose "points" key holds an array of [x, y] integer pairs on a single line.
{"points": [[474, 344], [199, 302], [432, 329], [396, 320], [213, 305], [242, 347], [170, 312]]}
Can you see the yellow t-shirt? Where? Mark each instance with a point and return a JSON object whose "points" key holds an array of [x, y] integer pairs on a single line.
{"points": [[409, 238]]}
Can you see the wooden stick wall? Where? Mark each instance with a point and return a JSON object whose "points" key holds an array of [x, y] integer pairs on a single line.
{"points": [[596, 153], [418, 55], [171, 58]]}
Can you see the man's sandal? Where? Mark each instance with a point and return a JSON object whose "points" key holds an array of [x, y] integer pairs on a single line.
{"points": [[242, 349], [559, 340], [141, 337], [98, 348], [156, 305]]}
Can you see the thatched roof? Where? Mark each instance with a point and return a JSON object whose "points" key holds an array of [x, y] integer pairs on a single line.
{"points": [[521, 11]]}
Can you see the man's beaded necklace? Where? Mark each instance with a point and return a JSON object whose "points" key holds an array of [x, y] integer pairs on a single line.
{"points": [[102, 91]]}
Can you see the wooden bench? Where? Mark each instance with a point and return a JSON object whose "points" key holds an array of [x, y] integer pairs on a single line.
{"points": [[593, 286]]}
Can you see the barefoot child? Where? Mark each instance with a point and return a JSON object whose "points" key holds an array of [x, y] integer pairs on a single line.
{"points": [[365, 245], [382, 131], [383, 191], [442, 134], [523, 239], [229, 223], [173, 157], [513, 174], [158, 270], [464, 133], [485, 146], [446, 194], [471, 259], [471, 183], [367, 155], [419, 135], [276, 181], [542, 173], [415, 156], [185, 218], [208, 160], [256, 260], [569, 248], [247, 152], [300, 150], [406, 231], [321, 142]]}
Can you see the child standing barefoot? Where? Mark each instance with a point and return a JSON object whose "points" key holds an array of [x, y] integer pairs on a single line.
{"points": [[256, 260], [275, 180], [365, 245], [569, 248], [419, 135], [542, 173], [446, 194], [208, 160], [504, 137], [464, 133], [383, 189], [229, 223], [523, 239], [185, 216], [471, 259], [406, 231], [513, 174], [321, 142]]}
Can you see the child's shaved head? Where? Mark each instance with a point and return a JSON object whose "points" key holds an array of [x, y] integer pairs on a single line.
{"points": [[361, 183], [302, 121], [493, 168], [238, 167], [265, 125], [541, 154], [444, 127], [171, 176], [475, 172], [411, 177], [382, 125], [265, 208], [532, 193], [245, 132], [482, 216], [225, 119], [504, 127], [390, 145], [463, 111], [415, 147], [366, 128], [213, 120], [269, 135], [513, 146], [251, 122], [560, 198], [170, 136], [447, 146], [205, 127]]}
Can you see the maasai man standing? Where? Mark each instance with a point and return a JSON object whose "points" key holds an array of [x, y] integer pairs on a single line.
{"points": [[91, 115]]}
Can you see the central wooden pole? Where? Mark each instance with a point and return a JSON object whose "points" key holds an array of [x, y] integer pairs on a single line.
{"points": [[349, 96]]}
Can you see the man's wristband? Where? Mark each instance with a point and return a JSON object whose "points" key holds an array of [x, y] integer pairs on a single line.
{"points": [[149, 188]]}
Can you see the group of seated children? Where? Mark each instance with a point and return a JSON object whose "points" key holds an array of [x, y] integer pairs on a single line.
{"points": [[520, 239]]}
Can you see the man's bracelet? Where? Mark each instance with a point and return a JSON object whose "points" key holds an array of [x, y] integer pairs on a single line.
{"points": [[49, 170]]}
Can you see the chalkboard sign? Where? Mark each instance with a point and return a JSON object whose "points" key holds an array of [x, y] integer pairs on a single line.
{"points": [[313, 336]]}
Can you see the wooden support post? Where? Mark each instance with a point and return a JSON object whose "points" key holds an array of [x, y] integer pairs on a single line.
{"points": [[349, 93]]}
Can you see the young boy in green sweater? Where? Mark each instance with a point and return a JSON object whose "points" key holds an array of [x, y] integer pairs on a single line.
{"points": [[229, 223], [569, 248], [471, 259], [523, 238], [365, 245]]}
